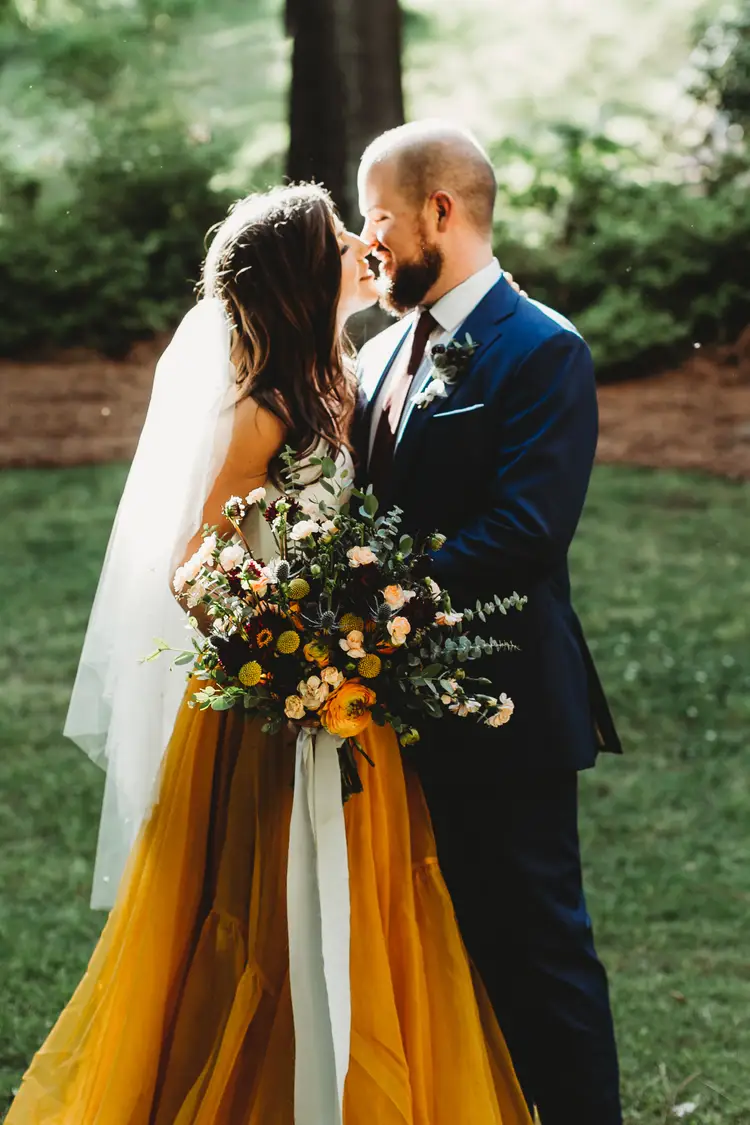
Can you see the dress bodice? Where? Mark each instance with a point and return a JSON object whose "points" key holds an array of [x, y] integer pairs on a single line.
{"points": [[255, 528]]}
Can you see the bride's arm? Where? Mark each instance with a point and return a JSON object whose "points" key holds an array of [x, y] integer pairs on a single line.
{"points": [[257, 436]]}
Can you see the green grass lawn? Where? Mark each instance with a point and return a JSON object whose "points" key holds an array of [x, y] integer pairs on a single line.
{"points": [[663, 587]]}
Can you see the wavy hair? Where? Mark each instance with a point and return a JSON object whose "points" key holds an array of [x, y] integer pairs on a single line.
{"points": [[275, 262]]}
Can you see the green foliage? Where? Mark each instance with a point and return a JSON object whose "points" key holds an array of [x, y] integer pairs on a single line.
{"points": [[644, 267], [660, 570], [118, 258]]}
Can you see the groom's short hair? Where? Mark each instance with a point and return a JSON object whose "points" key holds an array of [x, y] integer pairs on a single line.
{"points": [[436, 155]]}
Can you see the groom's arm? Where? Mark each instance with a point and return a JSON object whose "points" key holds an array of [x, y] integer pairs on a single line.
{"points": [[546, 431]]}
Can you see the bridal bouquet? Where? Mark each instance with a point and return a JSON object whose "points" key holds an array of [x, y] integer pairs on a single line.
{"points": [[343, 627]]}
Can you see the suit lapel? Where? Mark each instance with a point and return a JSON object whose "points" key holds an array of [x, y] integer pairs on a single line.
{"points": [[484, 326], [386, 371]]}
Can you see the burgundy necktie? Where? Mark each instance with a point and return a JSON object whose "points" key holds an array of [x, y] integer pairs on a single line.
{"points": [[381, 458]]}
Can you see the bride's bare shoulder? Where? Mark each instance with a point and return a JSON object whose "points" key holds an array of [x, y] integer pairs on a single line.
{"points": [[257, 434]]}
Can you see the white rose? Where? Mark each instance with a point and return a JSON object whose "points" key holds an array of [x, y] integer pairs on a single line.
{"points": [[313, 692], [294, 707], [180, 579], [303, 530], [311, 508], [255, 497], [231, 557], [361, 556], [332, 677], [192, 567], [206, 550]]}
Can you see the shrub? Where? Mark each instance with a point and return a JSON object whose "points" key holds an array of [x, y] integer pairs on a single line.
{"points": [[116, 258]]}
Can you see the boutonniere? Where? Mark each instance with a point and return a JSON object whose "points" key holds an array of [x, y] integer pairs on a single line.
{"points": [[449, 363]]}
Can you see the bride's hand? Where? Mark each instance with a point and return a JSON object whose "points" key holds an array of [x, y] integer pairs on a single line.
{"points": [[516, 286]]}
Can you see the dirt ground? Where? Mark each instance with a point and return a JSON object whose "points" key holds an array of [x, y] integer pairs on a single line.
{"points": [[83, 409]]}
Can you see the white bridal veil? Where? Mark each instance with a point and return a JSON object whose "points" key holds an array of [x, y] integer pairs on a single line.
{"points": [[122, 711]]}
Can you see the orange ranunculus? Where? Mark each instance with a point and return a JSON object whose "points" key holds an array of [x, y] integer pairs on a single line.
{"points": [[347, 711], [295, 617]]}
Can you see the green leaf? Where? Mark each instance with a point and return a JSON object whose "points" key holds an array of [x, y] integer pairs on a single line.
{"points": [[185, 658], [371, 504], [328, 467], [222, 703], [328, 487], [406, 545], [432, 670]]}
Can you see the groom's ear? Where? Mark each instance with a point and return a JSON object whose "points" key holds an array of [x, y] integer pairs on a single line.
{"points": [[443, 206]]}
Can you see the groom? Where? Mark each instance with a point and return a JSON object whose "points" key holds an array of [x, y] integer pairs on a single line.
{"points": [[499, 460]]}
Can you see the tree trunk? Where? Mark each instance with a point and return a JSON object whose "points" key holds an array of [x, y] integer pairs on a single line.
{"points": [[346, 89]]}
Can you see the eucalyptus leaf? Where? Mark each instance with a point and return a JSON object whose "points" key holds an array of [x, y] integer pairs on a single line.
{"points": [[222, 703]]}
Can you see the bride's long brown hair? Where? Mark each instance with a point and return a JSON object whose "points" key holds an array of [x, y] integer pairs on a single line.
{"points": [[275, 262]]}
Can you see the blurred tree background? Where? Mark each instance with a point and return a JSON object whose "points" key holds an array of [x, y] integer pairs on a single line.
{"points": [[620, 139]]}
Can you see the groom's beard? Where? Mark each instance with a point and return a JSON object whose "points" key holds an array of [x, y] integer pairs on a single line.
{"points": [[410, 282]]}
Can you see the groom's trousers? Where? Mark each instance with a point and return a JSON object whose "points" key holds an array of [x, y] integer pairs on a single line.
{"points": [[510, 856]]}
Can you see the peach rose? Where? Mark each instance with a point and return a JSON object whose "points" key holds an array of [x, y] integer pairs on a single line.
{"points": [[353, 644], [361, 556], [503, 713], [347, 712], [443, 617], [396, 597], [399, 629]]}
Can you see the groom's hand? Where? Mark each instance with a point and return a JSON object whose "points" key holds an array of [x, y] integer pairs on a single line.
{"points": [[509, 278]]}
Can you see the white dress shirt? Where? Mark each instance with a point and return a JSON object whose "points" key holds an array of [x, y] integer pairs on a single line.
{"points": [[450, 312]]}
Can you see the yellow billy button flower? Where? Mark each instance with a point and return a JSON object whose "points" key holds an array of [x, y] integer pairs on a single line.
{"points": [[298, 588], [369, 666], [288, 642], [351, 623], [250, 674]]}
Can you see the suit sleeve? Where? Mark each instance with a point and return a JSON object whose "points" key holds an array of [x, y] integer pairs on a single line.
{"points": [[546, 440]]}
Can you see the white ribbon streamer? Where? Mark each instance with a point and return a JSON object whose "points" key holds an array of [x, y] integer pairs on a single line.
{"points": [[319, 921]]}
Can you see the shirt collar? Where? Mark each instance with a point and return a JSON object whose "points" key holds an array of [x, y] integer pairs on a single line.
{"points": [[454, 306]]}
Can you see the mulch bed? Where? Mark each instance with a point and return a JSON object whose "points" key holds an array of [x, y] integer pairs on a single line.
{"points": [[83, 409]]}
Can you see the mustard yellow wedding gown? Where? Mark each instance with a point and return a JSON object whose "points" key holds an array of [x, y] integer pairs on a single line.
{"points": [[184, 1015]]}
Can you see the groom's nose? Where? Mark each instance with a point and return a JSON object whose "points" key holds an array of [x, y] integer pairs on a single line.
{"points": [[368, 234], [362, 246]]}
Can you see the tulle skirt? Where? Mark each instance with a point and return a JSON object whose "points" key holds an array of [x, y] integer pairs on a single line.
{"points": [[184, 1015]]}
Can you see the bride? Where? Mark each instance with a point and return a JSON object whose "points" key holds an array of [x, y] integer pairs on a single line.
{"points": [[185, 1014]]}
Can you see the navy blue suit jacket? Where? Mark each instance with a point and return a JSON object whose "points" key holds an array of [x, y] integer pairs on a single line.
{"points": [[501, 466]]}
